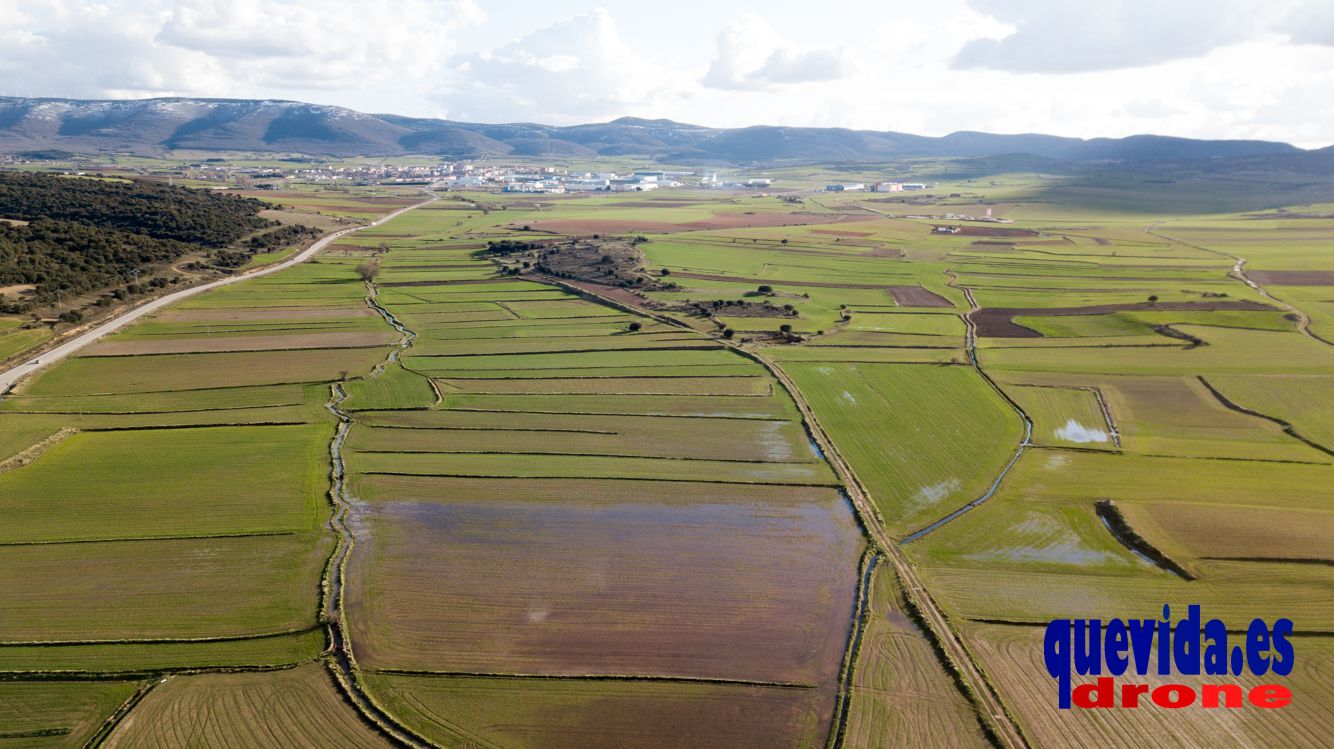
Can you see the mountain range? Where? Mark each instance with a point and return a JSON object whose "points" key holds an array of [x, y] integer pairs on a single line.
{"points": [[149, 126]]}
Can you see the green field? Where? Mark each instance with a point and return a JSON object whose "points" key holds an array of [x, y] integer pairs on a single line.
{"points": [[478, 503]]}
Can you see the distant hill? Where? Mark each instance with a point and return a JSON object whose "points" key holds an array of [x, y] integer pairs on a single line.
{"points": [[153, 125]]}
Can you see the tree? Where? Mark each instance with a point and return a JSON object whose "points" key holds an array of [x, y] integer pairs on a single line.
{"points": [[666, 271], [728, 333], [784, 240], [1153, 298], [384, 247], [785, 328], [765, 289], [636, 326], [369, 270]]}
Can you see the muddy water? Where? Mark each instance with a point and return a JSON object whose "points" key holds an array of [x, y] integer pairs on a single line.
{"points": [[701, 589]]}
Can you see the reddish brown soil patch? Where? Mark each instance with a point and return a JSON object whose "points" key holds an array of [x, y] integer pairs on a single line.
{"points": [[916, 296], [997, 322], [995, 231], [885, 252], [614, 293], [242, 343], [776, 282], [1292, 277]]}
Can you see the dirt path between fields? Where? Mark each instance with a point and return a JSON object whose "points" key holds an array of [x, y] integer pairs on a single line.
{"points": [[46, 358], [996, 720], [1239, 273], [970, 344]]}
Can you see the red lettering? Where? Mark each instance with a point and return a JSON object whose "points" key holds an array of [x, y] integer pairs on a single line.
{"points": [[1270, 695], [1173, 696], [1130, 694], [1209, 695], [1098, 694]]}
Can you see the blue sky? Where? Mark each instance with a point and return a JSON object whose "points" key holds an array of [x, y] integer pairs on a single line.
{"points": [[1200, 68]]}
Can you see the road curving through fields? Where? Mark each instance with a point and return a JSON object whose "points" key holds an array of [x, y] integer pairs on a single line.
{"points": [[10, 377]]}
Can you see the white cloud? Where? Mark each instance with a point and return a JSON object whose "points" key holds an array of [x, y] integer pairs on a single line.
{"points": [[751, 56], [1216, 68], [120, 48], [1056, 36], [576, 69]]}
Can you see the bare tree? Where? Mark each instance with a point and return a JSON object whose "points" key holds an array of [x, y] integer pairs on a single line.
{"points": [[369, 270]]}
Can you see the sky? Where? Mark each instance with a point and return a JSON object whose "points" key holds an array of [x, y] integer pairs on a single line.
{"points": [[1085, 68]]}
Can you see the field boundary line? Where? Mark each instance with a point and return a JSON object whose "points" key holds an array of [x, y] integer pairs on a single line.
{"points": [[861, 612], [30, 454], [720, 681], [110, 724], [1239, 272], [158, 640], [997, 721], [1286, 426], [970, 344], [10, 377]]}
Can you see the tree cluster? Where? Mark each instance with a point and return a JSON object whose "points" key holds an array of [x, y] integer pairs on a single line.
{"points": [[203, 217], [71, 258]]}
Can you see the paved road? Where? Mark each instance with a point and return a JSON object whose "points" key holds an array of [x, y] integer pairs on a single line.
{"points": [[19, 371]]}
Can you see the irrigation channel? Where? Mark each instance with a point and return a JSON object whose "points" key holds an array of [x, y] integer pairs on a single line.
{"points": [[1239, 273], [344, 663], [970, 344], [998, 723], [17, 372]]}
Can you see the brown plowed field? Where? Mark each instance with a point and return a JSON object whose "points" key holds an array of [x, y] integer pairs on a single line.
{"points": [[994, 231], [997, 322], [1292, 277], [916, 296], [777, 282]]}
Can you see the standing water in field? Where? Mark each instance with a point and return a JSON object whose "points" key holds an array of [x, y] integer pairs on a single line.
{"points": [[1073, 431]]}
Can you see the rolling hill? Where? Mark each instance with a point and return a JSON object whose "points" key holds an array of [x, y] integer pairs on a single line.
{"points": [[155, 125]]}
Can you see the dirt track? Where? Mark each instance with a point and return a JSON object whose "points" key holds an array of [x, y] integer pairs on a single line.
{"points": [[19, 371], [991, 711]]}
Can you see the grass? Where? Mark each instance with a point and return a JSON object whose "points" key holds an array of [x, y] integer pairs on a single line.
{"points": [[278, 650], [1064, 415], [1013, 657], [57, 713], [187, 480], [175, 372], [547, 465], [901, 694], [923, 440], [295, 707], [586, 500], [462, 432], [184, 588], [577, 714], [15, 340], [396, 387]]}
